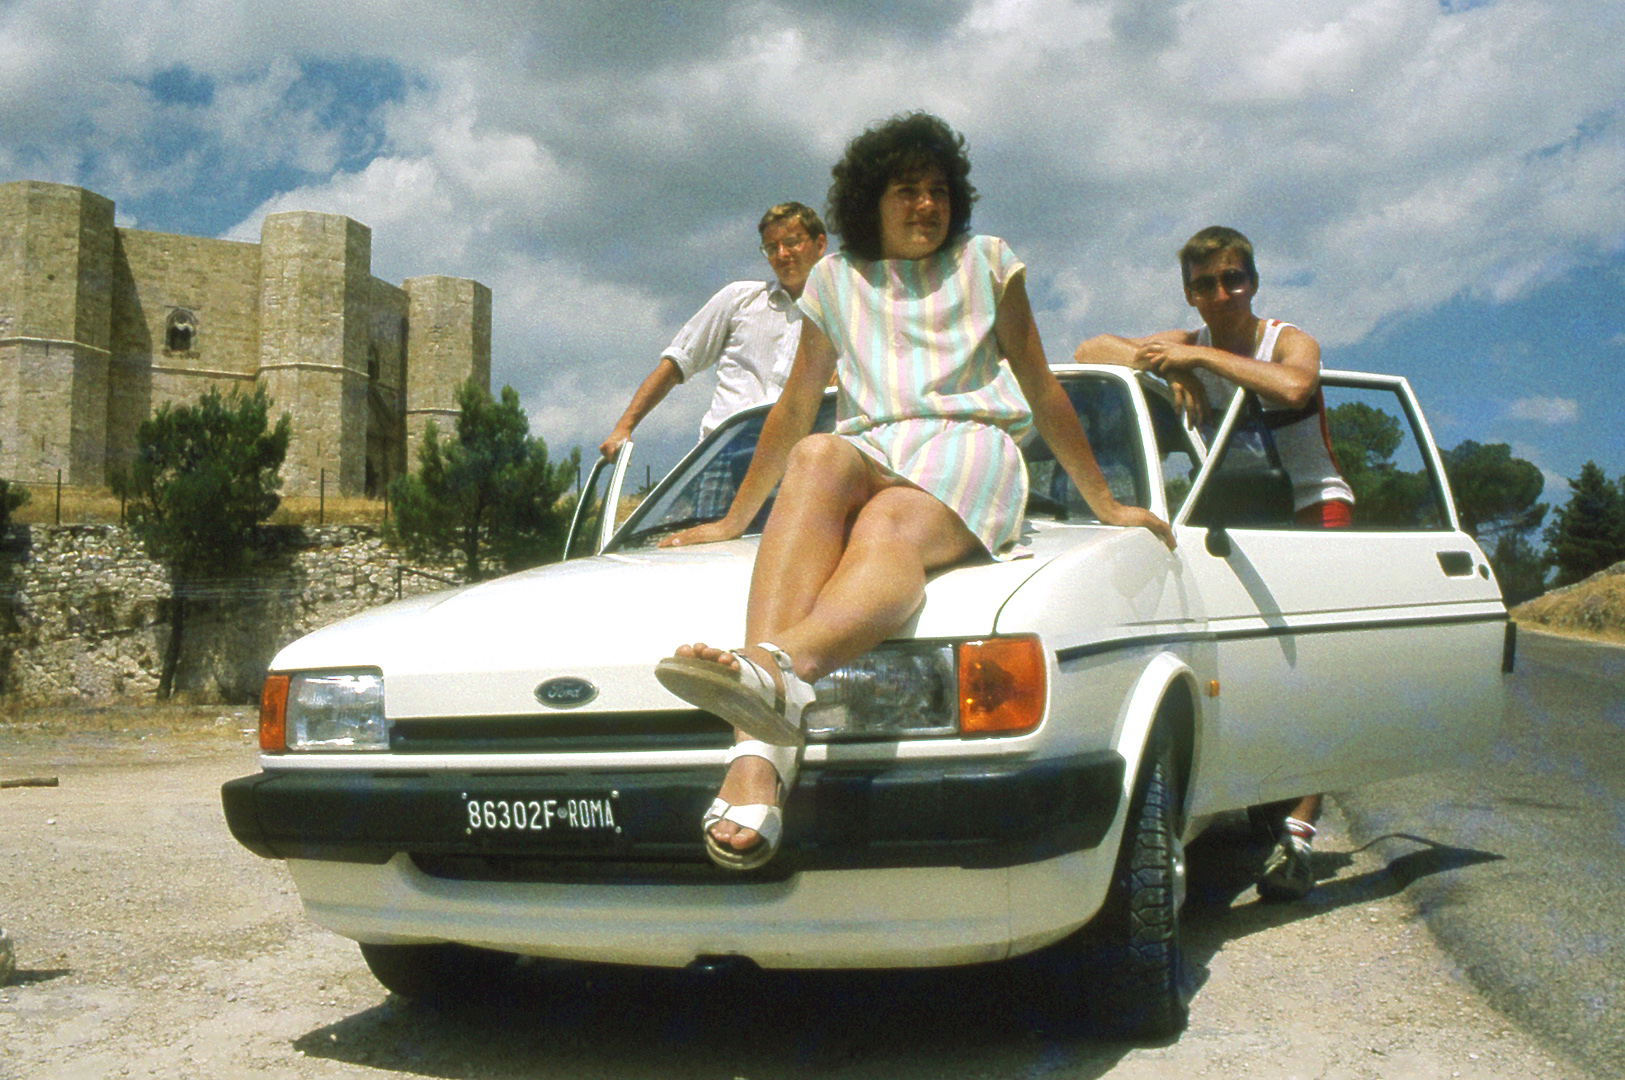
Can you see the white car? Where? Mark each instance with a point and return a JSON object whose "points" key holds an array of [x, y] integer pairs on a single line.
{"points": [[493, 771]]}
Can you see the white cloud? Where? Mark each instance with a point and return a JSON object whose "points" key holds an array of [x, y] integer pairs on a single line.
{"points": [[601, 165], [1545, 410]]}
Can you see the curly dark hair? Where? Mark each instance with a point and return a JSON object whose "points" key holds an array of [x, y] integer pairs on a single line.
{"points": [[902, 147]]}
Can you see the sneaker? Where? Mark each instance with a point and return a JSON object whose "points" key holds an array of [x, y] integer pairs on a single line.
{"points": [[1287, 873]]}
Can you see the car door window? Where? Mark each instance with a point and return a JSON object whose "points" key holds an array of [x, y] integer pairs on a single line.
{"points": [[1178, 451], [1376, 443], [1246, 486], [1106, 409]]}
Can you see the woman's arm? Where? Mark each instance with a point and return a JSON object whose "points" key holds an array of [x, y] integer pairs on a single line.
{"points": [[1054, 416], [790, 419]]}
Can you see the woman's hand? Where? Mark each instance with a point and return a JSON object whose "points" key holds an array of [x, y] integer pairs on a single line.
{"points": [[711, 532], [1137, 517]]}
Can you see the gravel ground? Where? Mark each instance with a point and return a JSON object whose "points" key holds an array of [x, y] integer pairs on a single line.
{"points": [[148, 944]]}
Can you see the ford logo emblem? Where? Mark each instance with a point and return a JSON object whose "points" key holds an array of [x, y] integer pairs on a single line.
{"points": [[565, 692]]}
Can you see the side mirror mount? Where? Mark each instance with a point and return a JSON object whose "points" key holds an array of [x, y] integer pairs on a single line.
{"points": [[1242, 498]]}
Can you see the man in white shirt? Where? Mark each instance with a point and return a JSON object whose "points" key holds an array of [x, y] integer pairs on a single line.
{"points": [[749, 330]]}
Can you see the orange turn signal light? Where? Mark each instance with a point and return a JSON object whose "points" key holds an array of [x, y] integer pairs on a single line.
{"points": [[274, 713], [1002, 685]]}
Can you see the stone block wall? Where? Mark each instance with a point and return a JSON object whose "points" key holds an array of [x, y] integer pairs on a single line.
{"points": [[100, 325], [206, 289], [450, 343], [84, 613], [56, 274]]}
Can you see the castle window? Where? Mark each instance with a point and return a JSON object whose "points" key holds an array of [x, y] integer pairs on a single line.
{"points": [[180, 335]]}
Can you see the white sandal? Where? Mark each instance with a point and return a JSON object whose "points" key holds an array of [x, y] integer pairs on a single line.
{"points": [[747, 698], [764, 819]]}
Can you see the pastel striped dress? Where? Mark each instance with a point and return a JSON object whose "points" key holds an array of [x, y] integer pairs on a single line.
{"points": [[922, 389]]}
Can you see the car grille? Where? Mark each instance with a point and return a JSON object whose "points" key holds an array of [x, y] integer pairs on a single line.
{"points": [[562, 733]]}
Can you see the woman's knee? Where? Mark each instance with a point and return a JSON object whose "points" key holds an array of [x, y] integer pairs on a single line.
{"points": [[913, 519], [825, 463]]}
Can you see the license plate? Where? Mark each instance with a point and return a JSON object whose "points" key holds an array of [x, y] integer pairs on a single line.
{"points": [[562, 815]]}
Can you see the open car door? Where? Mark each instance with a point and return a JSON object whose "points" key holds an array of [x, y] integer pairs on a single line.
{"points": [[1342, 655]]}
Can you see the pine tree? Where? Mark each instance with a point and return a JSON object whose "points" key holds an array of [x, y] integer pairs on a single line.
{"points": [[203, 481], [11, 497], [490, 495], [1588, 533]]}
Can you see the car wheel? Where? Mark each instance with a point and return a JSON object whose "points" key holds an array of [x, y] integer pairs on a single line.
{"points": [[438, 973], [1139, 922]]}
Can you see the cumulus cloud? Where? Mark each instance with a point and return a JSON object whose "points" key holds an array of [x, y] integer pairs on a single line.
{"points": [[602, 165]]}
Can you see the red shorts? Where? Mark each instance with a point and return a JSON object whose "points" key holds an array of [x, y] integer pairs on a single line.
{"points": [[1331, 514]]}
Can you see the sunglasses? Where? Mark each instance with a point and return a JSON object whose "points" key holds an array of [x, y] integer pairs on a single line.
{"points": [[1233, 280]]}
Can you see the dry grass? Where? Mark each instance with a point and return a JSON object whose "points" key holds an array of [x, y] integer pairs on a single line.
{"points": [[46, 724], [1593, 609], [99, 506]]}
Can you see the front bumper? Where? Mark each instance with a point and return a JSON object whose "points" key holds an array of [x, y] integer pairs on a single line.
{"points": [[973, 816]]}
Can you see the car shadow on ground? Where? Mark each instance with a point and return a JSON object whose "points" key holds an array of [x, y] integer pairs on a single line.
{"points": [[1226, 861], [1038, 1013]]}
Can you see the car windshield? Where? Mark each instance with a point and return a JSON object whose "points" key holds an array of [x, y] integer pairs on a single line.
{"points": [[703, 484]]}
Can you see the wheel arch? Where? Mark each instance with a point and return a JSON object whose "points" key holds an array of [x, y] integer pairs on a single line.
{"points": [[1166, 694]]}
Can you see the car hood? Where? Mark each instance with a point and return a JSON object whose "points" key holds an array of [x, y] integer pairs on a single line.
{"points": [[483, 650]]}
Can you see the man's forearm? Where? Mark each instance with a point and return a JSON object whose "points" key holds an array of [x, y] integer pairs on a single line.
{"points": [[651, 392]]}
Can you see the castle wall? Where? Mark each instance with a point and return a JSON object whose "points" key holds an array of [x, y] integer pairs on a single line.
{"points": [[185, 317], [389, 314], [450, 343], [56, 273], [99, 326]]}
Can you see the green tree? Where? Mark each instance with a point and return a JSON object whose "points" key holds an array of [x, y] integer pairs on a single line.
{"points": [[1496, 499], [489, 496], [1588, 533], [11, 497], [1363, 441], [203, 481]]}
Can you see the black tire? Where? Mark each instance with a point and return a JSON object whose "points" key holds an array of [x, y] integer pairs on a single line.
{"points": [[1139, 923], [442, 973]]}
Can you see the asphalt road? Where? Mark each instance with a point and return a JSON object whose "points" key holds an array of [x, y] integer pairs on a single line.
{"points": [[1534, 842]]}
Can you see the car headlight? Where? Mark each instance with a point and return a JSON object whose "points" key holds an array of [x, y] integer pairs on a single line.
{"points": [[326, 710], [995, 686]]}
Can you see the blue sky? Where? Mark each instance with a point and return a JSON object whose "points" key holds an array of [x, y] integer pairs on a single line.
{"points": [[1434, 187]]}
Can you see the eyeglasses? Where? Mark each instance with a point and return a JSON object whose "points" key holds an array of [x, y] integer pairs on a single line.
{"points": [[789, 245], [1233, 280]]}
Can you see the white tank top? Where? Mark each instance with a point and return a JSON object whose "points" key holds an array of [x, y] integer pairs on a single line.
{"points": [[1300, 434]]}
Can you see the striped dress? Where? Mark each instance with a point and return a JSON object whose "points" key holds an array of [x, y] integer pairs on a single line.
{"points": [[922, 389]]}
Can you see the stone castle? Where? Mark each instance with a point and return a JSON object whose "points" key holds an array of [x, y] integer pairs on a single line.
{"points": [[99, 325]]}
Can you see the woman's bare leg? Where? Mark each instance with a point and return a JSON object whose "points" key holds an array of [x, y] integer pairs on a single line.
{"points": [[899, 536]]}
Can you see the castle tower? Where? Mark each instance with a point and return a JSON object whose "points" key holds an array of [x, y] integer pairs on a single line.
{"points": [[315, 284], [56, 273], [449, 343]]}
